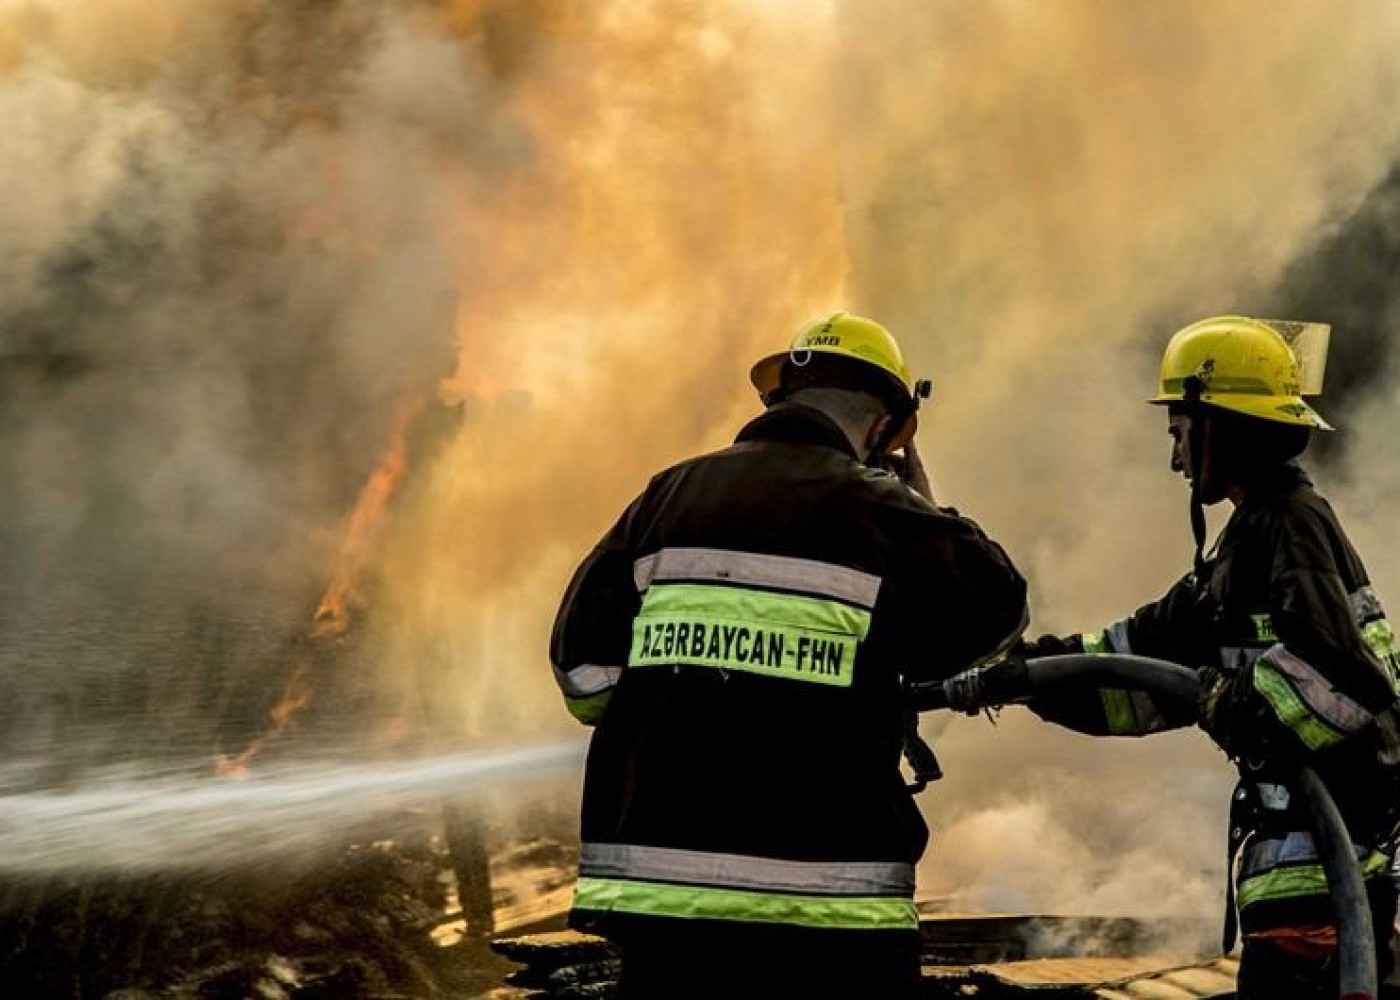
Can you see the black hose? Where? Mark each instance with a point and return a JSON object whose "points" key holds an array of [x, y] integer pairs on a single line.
{"points": [[1178, 685]]}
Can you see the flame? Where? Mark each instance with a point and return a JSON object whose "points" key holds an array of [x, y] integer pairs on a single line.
{"points": [[333, 615], [296, 695]]}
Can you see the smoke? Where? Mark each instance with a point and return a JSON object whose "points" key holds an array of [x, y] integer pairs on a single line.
{"points": [[244, 236]]}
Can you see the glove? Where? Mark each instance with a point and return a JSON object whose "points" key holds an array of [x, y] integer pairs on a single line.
{"points": [[1048, 645], [1237, 719], [995, 684]]}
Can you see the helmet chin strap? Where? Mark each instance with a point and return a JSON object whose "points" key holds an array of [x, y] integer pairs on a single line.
{"points": [[1195, 445]]}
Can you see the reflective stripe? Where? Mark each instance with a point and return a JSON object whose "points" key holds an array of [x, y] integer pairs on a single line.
{"points": [[779, 635], [1365, 605], [588, 710], [1119, 711], [1095, 642], [1274, 797], [754, 569], [1379, 636], [1380, 639], [739, 871], [696, 902], [1113, 639], [1240, 657], [1305, 701], [1130, 713], [1117, 635], [586, 679], [1262, 855], [1127, 713], [1300, 878]]}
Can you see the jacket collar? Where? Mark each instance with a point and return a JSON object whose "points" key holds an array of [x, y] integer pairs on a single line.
{"points": [[1275, 481], [794, 423]]}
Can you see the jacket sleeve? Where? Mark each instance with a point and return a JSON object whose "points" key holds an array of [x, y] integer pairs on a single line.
{"points": [[1172, 628], [969, 594], [1322, 679], [592, 629]]}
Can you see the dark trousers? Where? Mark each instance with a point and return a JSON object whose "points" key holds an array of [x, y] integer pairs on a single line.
{"points": [[1268, 972], [751, 963]]}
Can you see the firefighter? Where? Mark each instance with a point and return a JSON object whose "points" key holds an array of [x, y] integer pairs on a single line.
{"points": [[1297, 662], [740, 641]]}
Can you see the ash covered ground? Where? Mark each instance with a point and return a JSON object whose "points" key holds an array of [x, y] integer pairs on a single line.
{"points": [[366, 918]]}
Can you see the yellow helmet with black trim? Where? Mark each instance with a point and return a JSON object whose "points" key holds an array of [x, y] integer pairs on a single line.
{"points": [[839, 334], [1239, 364]]}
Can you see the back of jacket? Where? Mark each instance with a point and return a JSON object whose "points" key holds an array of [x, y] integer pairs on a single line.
{"points": [[740, 639]]}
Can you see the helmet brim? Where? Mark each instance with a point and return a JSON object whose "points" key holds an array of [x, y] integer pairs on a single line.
{"points": [[1278, 409]]}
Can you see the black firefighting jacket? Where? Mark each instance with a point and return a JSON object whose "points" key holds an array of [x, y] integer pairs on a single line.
{"points": [[1284, 608], [740, 639]]}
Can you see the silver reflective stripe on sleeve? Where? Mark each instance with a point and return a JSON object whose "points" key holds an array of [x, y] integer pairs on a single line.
{"points": [[1240, 657], [587, 679], [1315, 690], [737, 871], [1117, 636], [1365, 605], [754, 569]]}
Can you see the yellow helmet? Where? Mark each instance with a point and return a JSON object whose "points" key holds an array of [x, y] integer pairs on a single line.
{"points": [[839, 334], [1244, 365]]}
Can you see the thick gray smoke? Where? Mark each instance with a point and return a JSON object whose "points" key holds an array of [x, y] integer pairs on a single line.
{"points": [[242, 240]]}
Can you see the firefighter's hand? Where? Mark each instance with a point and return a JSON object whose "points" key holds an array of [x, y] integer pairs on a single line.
{"points": [[1213, 705], [990, 686], [1237, 720], [1049, 645]]}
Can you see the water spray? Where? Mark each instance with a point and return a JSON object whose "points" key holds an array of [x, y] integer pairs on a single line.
{"points": [[144, 824]]}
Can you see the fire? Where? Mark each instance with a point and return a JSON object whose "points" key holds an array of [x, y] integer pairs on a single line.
{"points": [[296, 695], [333, 615]]}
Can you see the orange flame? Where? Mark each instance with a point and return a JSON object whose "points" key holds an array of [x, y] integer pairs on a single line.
{"points": [[296, 695], [332, 618]]}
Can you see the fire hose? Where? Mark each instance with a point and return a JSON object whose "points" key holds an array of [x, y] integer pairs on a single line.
{"points": [[1178, 685]]}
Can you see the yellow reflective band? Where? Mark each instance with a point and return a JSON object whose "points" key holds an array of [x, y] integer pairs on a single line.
{"points": [[588, 710], [1095, 642], [1292, 711], [1299, 880], [702, 902], [1380, 639], [1119, 711], [777, 635]]}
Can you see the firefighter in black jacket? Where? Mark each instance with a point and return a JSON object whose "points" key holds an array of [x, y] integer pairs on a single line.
{"points": [[1296, 659], [740, 640]]}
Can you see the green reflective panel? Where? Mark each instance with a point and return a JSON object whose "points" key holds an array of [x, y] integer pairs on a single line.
{"points": [[1380, 637], [704, 902], [1120, 712], [1300, 880], [588, 710], [1291, 710], [779, 635], [1095, 642]]}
